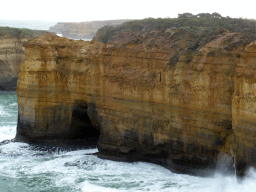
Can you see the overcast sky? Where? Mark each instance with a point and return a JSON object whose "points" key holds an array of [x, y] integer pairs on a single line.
{"points": [[84, 10]]}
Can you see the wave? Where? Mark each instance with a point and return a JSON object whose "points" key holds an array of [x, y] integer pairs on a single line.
{"points": [[14, 104], [7, 132], [3, 112], [80, 171]]}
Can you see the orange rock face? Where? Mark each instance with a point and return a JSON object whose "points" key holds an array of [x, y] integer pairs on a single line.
{"points": [[11, 56], [243, 108], [191, 113]]}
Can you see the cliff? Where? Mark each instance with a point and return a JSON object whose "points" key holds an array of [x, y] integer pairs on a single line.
{"points": [[12, 54], [157, 96], [82, 30]]}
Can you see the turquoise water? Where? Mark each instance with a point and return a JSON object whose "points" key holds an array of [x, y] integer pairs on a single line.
{"points": [[24, 168]]}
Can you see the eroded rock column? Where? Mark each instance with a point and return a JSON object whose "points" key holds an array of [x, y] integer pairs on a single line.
{"points": [[243, 110], [47, 112]]}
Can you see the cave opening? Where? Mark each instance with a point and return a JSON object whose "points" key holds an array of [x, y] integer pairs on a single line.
{"points": [[84, 124]]}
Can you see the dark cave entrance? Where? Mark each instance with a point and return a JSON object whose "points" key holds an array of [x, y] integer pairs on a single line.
{"points": [[85, 125]]}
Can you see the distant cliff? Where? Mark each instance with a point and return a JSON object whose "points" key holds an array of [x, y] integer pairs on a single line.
{"points": [[82, 30], [12, 54]]}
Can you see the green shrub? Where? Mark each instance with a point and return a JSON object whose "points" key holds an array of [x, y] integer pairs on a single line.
{"points": [[20, 33], [212, 23]]}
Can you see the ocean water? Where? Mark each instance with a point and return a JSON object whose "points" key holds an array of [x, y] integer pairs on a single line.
{"points": [[25, 168], [60, 35]]}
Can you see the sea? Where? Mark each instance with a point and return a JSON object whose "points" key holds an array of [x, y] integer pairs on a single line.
{"points": [[28, 168]]}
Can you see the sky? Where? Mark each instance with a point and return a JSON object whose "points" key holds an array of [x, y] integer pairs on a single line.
{"points": [[84, 10]]}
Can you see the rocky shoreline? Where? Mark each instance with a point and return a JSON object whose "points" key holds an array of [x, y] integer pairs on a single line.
{"points": [[191, 113]]}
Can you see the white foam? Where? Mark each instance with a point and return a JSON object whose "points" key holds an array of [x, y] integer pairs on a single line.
{"points": [[105, 175], [7, 132], [92, 188], [3, 113]]}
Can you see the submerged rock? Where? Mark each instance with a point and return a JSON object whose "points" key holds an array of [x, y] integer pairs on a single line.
{"points": [[88, 163]]}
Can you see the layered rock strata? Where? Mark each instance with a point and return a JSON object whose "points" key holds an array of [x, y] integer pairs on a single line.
{"points": [[12, 54], [189, 112], [243, 109]]}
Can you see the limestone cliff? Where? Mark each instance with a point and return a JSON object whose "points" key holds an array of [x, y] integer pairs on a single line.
{"points": [[82, 30], [142, 98], [244, 108], [12, 54]]}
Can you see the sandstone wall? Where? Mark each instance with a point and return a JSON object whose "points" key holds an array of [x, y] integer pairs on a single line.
{"points": [[189, 116], [243, 108], [11, 56]]}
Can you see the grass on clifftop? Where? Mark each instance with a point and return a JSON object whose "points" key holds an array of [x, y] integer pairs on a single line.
{"points": [[208, 21], [20, 33]]}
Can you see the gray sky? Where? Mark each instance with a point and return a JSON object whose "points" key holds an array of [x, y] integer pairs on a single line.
{"points": [[77, 10]]}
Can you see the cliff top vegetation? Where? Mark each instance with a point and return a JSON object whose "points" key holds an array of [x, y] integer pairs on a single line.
{"points": [[20, 33], [214, 23]]}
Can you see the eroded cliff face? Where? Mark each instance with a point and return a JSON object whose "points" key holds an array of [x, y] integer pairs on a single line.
{"points": [[82, 30], [243, 109], [12, 55], [143, 101]]}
